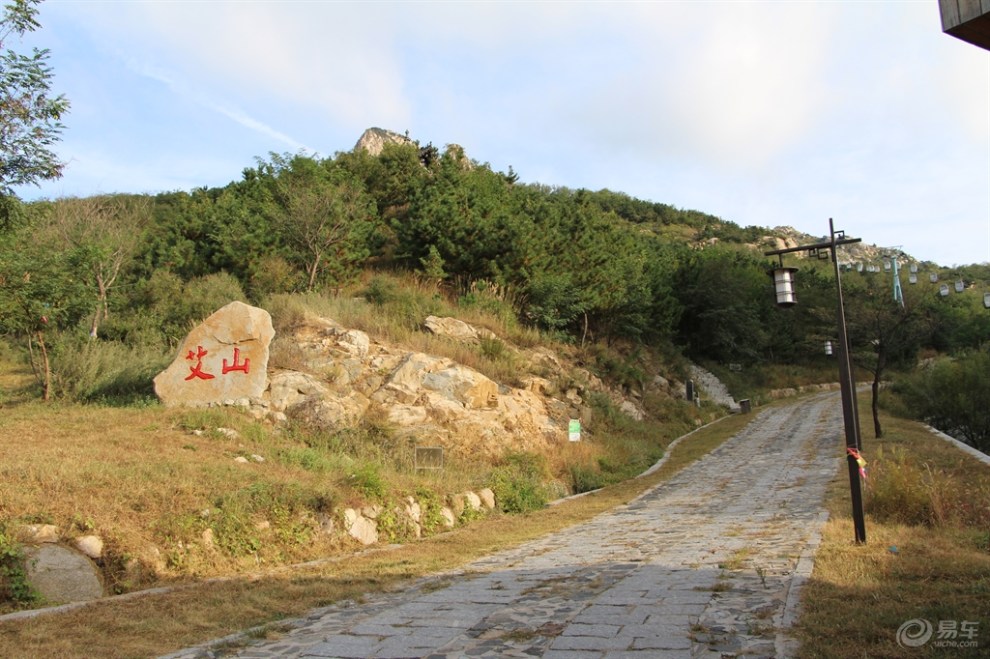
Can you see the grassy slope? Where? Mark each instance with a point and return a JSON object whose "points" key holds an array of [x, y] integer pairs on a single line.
{"points": [[927, 554], [156, 624]]}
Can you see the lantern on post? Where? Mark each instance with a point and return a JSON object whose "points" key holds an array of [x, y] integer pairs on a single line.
{"points": [[783, 286], [783, 279]]}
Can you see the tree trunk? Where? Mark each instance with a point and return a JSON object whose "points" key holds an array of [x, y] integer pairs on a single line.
{"points": [[312, 273], [877, 430], [102, 307], [45, 376]]}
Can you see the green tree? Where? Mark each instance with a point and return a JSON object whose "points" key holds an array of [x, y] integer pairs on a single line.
{"points": [[727, 302], [29, 114], [100, 235], [323, 216], [39, 294], [953, 395], [882, 333]]}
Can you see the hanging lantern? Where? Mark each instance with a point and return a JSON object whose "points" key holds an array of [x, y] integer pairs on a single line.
{"points": [[886, 264], [912, 278], [783, 285], [914, 268], [960, 286], [828, 347], [933, 277], [943, 290], [986, 299]]}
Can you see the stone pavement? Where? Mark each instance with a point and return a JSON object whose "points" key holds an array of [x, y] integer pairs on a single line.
{"points": [[707, 564]]}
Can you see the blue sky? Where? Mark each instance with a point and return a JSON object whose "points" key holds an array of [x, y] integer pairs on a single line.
{"points": [[762, 113]]}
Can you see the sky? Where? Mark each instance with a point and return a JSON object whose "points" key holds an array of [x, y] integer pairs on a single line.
{"points": [[773, 113]]}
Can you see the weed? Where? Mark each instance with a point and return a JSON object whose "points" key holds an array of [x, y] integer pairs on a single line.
{"points": [[367, 479], [14, 586], [430, 504], [737, 559]]}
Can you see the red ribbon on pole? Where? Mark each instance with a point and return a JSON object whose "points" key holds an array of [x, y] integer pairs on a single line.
{"points": [[860, 460]]}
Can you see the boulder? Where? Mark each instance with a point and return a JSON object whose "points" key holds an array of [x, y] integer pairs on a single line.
{"points": [[224, 358], [487, 498], [451, 327], [91, 545], [40, 533], [360, 527], [331, 412], [290, 388], [354, 342], [466, 386], [61, 575], [405, 382], [630, 409]]}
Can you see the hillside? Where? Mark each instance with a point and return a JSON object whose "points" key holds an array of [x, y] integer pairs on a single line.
{"points": [[174, 494], [421, 301]]}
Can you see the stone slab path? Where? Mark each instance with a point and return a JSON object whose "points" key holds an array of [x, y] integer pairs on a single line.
{"points": [[707, 564]]}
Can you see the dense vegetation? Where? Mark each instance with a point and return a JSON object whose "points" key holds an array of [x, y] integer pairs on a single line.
{"points": [[124, 273]]}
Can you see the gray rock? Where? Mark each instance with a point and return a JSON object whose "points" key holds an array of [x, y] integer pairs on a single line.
{"points": [[62, 575]]}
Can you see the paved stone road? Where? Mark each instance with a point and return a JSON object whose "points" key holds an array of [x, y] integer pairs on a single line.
{"points": [[705, 565]]}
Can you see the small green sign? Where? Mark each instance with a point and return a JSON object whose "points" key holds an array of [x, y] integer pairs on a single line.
{"points": [[574, 430]]}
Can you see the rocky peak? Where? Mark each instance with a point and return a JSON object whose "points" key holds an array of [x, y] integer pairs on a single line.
{"points": [[785, 237], [374, 140]]}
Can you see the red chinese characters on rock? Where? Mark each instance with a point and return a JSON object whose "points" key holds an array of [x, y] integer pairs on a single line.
{"points": [[243, 368], [198, 372]]}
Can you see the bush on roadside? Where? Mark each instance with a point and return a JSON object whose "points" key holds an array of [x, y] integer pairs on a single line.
{"points": [[954, 396], [518, 482]]}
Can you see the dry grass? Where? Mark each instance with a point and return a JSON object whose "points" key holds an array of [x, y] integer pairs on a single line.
{"points": [[157, 624], [937, 569]]}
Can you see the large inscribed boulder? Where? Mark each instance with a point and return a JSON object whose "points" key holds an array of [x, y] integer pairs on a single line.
{"points": [[223, 359]]}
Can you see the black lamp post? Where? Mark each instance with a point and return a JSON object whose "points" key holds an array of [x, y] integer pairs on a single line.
{"points": [[784, 288]]}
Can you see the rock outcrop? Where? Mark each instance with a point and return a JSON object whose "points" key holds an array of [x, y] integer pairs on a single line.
{"points": [[224, 359], [374, 140]]}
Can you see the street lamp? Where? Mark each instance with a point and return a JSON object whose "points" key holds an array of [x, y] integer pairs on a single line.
{"points": [[847, 386], [783, 286]]}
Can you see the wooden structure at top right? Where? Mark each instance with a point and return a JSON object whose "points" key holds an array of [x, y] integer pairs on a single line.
{"points": [[968, 20]]}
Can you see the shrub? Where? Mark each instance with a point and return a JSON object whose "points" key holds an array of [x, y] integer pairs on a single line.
{"points": [[234, 517], [13, 578], [586, 479], [380, 291], [87, 369], [273, 274], [204, 295], [518, 483], [953, 396], [367, 479]]}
